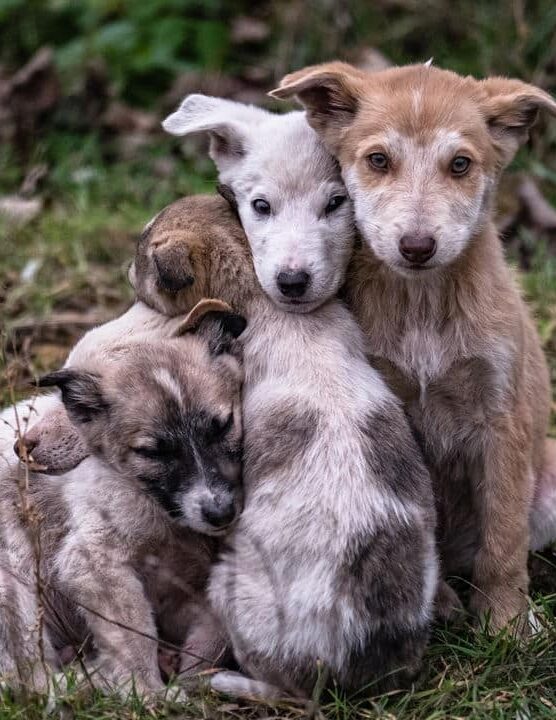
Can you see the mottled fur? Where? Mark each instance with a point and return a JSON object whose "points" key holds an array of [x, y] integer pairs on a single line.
{"points": [[161, 423], [333, 558]]}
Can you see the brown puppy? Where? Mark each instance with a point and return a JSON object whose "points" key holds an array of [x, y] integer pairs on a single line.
{"points": [[421, 150]]}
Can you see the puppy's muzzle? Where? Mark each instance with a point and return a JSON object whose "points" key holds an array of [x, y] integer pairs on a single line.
{"points": [[219, 516]]}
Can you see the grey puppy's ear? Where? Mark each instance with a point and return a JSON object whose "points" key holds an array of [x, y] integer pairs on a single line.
{"points": [[81, 393], [215, 321]]}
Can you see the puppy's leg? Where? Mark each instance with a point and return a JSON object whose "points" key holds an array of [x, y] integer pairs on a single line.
{"points": [[447, 605], [543, 512], [112, 598], [26, 653], [503, 493], [206, 645]]}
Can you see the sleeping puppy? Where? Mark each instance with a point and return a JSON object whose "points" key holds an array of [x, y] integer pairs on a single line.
{"points": [[332, 564], [40, 428], [124, 549]]}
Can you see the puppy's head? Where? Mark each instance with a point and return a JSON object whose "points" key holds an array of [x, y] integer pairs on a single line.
{"points": [[420, 150], [288, 193], [168, 415], [171, 271]]}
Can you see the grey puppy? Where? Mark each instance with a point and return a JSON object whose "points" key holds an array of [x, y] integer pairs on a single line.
{"points": [[122, 554]]}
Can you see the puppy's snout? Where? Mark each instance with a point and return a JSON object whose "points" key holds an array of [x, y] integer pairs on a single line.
{"points": [[219, 515], [293, 283], [417, 248]]}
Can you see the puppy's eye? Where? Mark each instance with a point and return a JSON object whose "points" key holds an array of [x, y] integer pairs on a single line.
{"points": [[146, 451], [159, 451], [378, 161], [460, 165], [261, 207], [334, 203], [219, 428]]}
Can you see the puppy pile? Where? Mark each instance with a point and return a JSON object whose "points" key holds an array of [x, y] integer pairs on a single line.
{"points": [[327, 397]]}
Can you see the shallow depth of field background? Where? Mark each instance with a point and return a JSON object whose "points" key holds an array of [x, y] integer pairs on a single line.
{"points": [[84, 164]]}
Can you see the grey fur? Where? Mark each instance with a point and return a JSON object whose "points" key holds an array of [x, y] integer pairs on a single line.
{"points": [[110, 550]]}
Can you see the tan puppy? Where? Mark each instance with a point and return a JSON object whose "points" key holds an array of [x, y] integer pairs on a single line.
{"points": [[421, 151]]}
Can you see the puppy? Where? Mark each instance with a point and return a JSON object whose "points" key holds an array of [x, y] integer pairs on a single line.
{"points": [[332, 564], [421, 152], [122, 535], [40, 427]]}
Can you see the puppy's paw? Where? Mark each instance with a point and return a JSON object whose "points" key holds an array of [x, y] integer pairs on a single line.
{"points": [[502, 609], [448, 607], [239, 686]]}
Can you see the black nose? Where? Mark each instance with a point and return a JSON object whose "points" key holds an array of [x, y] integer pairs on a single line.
{"points": [[417, 248], [293, 283], [219, 515]]}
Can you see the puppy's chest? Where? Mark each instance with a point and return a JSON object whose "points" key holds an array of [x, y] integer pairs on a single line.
{"points": [[448, 393]]}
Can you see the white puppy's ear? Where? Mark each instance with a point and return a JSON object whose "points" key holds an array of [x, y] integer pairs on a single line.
{"points": [[222, 119]]}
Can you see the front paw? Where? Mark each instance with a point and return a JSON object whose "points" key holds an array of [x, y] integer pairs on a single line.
{"points": [[500, 608], [113, 677]]}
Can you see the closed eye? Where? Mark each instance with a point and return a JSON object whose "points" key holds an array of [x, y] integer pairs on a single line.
{"points": [[160, 451]]}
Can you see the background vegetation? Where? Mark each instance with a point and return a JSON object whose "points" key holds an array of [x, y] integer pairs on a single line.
{"points": [[83, 165]]}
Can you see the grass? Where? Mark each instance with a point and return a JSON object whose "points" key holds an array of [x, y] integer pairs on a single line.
{"points": [[70, 263], [468, 675]]}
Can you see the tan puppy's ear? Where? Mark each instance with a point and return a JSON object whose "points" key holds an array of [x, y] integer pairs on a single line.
{"points": [[511, 108], [215, 321], [329, 92], [194, 317]]}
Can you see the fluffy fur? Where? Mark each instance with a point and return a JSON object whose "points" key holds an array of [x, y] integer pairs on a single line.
{"points": [[421, 150], [333, 559], [161, 423]]}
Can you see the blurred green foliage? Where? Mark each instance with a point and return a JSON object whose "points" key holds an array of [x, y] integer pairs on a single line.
{"points": [[145, 43]]}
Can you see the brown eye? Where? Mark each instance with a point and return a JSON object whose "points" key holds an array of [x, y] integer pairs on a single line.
{"points": [[379, 161], [460, 165]]}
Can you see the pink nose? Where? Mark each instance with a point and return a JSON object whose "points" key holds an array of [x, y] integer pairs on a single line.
{"points": [[417, 248]]}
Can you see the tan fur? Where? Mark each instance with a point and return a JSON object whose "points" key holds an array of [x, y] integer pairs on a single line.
{"points": [[455, 342]]}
